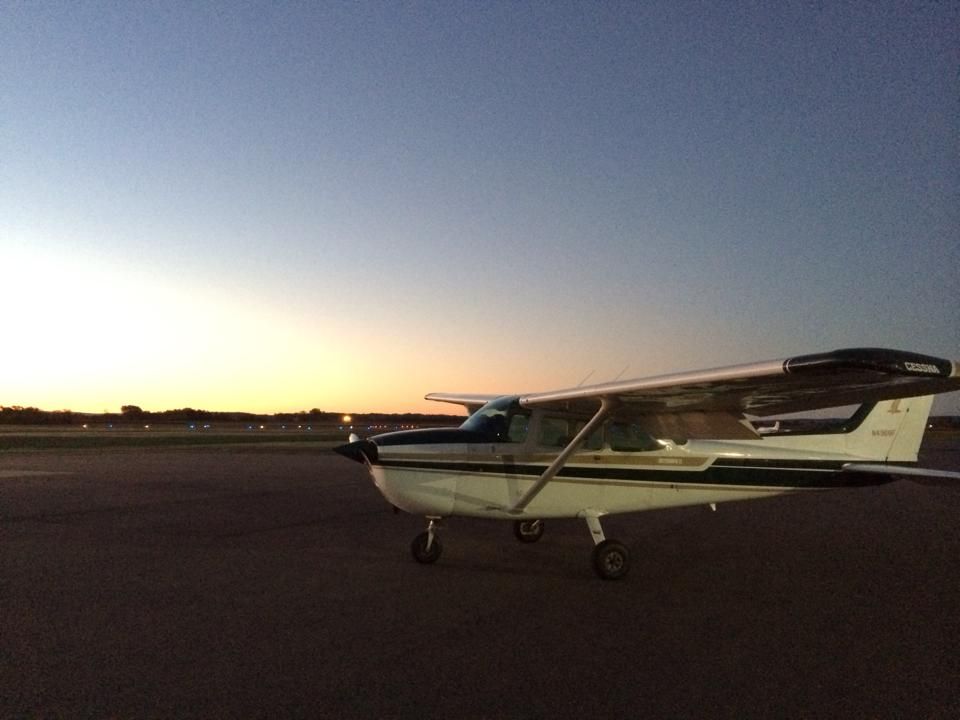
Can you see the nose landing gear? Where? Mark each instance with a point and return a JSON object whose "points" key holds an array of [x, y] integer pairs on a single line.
{"points": [[528, 531], [426, 547]]}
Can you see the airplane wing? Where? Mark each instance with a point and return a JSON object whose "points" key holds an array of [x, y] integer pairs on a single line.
{"points": [[805, 382], [712, 403], [471, 401]]}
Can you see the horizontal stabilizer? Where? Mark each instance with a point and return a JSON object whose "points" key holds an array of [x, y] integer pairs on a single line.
{"points": [[471, 401]]}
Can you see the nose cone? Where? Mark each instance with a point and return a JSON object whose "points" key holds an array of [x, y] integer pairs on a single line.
{"points": [[361, 451]]}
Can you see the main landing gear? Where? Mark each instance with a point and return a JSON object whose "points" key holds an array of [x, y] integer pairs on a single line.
{"points": [[611, 561]]}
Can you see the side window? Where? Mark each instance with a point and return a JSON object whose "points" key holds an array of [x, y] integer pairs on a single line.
{"points": [[558, 432], [627, 437], [595, 441], [517, 430], [554, 432]]}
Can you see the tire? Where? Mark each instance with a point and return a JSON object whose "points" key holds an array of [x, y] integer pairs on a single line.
{"points": [[611, 561], [419, 549], [528, 531]]}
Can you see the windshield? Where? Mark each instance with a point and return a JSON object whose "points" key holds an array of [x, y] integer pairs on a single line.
{"points": [[500, 420]]}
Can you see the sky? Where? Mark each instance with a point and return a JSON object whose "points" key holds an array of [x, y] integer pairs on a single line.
{"points": [[282, 206]]}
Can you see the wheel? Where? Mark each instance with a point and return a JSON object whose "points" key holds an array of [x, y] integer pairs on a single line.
{"points": [[419, 548], [611, 560], [528, 531]]}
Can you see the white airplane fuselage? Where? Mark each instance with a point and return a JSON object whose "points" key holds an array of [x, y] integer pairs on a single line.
{"points": [[484, 480]]}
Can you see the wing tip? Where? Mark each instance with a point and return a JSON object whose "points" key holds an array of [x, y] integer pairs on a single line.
{"points": [[880, 360]]}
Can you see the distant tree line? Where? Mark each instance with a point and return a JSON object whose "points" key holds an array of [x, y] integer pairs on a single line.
{"points": [[17, 415], [135, 413]]}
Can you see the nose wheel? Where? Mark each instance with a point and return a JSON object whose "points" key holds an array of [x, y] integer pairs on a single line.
{"points": [[426, 547], [528, 531]]}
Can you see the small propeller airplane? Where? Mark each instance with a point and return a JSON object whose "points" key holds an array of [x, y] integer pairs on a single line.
{"points": [[692, 438]]}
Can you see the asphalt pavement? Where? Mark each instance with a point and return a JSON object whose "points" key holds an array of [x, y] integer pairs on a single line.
{"points": [[256, 582]]}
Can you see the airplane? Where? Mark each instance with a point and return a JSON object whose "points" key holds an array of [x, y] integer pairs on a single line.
{"points": [[690, 438]]}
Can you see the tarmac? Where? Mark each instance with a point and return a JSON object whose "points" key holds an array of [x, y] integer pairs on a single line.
{"points": [[276, 582]]}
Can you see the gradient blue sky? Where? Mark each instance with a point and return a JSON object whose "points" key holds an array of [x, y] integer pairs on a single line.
{"points": [[278, 206]]}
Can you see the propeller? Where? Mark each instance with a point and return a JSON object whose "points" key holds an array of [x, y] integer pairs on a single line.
{"points": [[361, 451]]}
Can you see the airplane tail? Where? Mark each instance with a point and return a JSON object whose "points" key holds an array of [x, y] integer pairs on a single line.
{"points": [[892, 431]]}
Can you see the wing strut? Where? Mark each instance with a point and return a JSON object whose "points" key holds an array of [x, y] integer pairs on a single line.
{"points": [[607, 406]]}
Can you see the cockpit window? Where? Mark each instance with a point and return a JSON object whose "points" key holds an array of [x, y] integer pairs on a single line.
{"points": [[501, 420], [554, 431]]}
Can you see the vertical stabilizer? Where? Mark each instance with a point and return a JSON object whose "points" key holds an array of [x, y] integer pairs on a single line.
{"points": [[892, 431]]}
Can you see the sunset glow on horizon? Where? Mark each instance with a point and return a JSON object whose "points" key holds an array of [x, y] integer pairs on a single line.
{"points": [[346, 207]]}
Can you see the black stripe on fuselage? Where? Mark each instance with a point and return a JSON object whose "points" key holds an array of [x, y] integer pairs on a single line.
{"points": [[724, 471]]}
